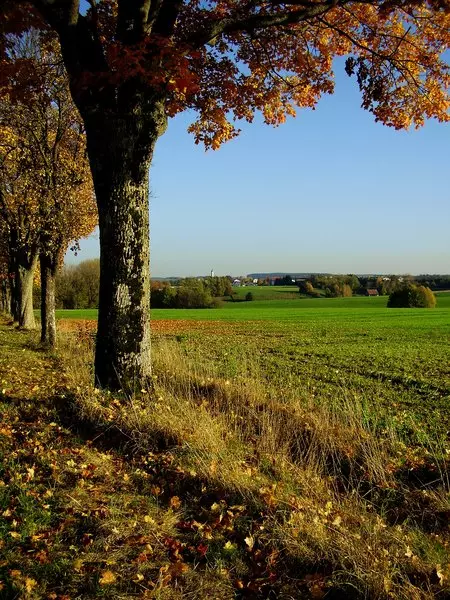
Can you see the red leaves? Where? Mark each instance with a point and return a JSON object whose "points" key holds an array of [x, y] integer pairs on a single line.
{"points": [[202, 549]]}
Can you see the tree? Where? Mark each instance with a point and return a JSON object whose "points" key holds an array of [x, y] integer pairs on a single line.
{"points": [[133, 64], [193, 293], [19, 210], [5, 288], [49, 161], [412, 296], [218, 286], [353, 282], [77, 286]]}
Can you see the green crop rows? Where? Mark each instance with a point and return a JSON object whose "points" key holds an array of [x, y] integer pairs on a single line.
{"points": [[329, 350]]}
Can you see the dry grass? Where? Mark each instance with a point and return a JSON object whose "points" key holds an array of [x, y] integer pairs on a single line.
{"points": [[324, 481]]}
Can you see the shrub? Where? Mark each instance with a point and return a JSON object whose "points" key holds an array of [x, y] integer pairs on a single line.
{"points": [[248, 297], [412, 296], [191, 297], [162, 297], [191, 293]]}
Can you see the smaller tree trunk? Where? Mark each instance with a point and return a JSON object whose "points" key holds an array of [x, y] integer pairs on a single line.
{"points": [[13, 293], [24, 288], [5, 293], [48, 265]]}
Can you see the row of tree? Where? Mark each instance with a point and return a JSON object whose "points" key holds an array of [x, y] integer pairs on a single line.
{"points": [[132, 65], [330, 286], [77, 286], [46, 194], [190, 293]]}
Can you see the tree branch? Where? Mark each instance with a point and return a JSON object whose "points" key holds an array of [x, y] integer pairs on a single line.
{"points": [[262, 21], [80, 46], [58, 13]]}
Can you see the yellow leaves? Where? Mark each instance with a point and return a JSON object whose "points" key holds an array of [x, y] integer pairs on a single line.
{"points": [[107, 578], [337, 521], [8, 137], [78, 565], [47, 171], [15, 573], [148, 519], [4, 429], [213, 128], [30, 584], [440, 575], [229, 547]]}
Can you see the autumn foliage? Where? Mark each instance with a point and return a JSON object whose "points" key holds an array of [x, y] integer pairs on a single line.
{"points": [[46, 195], [227, 60], [132, 65]]}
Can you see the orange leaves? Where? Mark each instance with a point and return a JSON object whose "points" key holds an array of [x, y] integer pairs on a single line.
{"points": [[397, 51], [157, 62], [396, 60], [213, 128], [175, 502]]}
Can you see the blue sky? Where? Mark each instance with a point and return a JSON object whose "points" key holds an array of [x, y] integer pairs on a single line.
{"points": [[330, 190]]}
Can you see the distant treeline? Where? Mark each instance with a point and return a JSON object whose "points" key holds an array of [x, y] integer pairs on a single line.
{"points": [[77, 286], [434, 282], [332, 286]]}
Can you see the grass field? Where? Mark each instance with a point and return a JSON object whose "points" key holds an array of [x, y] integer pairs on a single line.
{"points": [[286, 448], [398, 359], [272, 303]]}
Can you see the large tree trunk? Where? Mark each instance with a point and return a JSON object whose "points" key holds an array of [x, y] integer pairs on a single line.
{"points": [[120, 151], [48, 266], [24, 289]]}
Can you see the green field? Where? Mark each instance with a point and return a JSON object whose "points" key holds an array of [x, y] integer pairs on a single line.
{"points": [[283, 304], [397, 359]]}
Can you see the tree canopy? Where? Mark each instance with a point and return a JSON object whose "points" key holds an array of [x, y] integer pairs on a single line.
{"points": [[227, 59]]}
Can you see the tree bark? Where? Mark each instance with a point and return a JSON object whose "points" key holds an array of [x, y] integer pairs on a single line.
{"points": [[120, 147], [24, 289], [48, 265]]}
